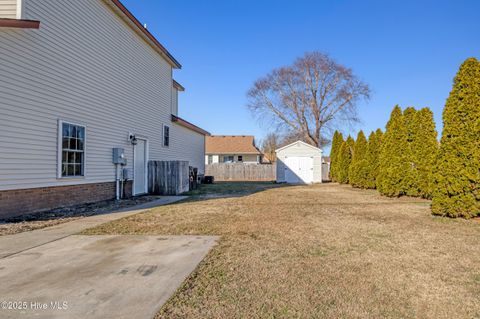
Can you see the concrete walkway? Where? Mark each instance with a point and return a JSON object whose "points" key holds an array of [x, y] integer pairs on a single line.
{"points": [[53, 273], [102, 277], [13, 244]]}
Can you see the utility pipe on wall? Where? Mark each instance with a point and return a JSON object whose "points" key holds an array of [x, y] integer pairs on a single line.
{"points": [[117, 183]]}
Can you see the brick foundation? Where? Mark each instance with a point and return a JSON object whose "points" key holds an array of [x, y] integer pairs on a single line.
{"points": [[23, 201]]}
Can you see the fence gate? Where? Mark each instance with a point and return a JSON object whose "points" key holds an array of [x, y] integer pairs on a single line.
{"points": [[168, 177]]}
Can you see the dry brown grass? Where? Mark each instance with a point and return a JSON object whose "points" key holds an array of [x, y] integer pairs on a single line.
{"points": [[320, 251]]}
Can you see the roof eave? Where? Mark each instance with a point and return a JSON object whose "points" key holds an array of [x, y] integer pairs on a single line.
{"points": [[189, 125], [178, 86]]}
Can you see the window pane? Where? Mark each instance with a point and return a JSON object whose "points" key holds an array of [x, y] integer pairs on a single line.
{"points": [[70, 170], [64, 157], [80, 145], [65, 144], [73, 132], [70, 129], [71, 157], [73, 143], [78, 169], [80, 132], [64, 170], [79, 158], [65, 130]]}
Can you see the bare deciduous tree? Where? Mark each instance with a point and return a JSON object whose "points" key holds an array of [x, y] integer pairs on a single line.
{"points": [[313, 94], [270, 143]]}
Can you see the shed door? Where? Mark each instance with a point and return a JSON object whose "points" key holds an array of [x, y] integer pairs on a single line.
{"points": [[299, 169], [140, 168]]}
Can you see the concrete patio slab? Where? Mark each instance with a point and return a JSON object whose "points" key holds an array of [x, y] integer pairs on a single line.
{"points": [[13, 244], [98, 276]]}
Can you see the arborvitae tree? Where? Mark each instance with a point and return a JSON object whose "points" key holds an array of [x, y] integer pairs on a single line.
{"points": [[344, 160], [358, 170], [340, 174], [410, 182], [424, 150], [457, 173], [393, 159], [336, 144], [373, 157]]}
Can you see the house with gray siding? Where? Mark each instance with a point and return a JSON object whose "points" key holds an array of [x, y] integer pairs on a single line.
{"points": [[78, 79]]}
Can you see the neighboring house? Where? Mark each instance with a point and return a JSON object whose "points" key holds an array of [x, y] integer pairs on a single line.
{"points": [[79, 78], [299, 163], [232, 149]]}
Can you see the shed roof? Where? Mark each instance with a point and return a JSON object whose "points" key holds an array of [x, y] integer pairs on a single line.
{"points": [[299, 143], [231, 144]]}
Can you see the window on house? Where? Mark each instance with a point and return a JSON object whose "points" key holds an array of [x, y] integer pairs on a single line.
{"points": [[228, 159], [210, 159], [72, 146], [240, 158], [166, 136]]}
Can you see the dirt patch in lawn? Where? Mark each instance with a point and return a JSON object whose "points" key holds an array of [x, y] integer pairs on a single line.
{"points": [[320, 251], [62, 215]]}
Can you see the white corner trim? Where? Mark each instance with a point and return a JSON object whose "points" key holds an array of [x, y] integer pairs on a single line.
{"points": [[20, 8]]}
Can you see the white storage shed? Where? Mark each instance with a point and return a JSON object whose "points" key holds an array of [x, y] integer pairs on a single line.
{"points": [[299, 163]]}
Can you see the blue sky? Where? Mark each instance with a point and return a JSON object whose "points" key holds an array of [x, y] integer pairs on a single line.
{"points": [[407, 51]]}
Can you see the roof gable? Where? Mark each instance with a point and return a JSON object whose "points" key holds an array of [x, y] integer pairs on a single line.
{"points": [[296, 143]]}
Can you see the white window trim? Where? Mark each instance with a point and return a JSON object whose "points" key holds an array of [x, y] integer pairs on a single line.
{"points": [[163, 135], [59, 150]]}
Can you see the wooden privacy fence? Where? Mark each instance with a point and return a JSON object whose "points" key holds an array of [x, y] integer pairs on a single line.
{"points": [[241, 172], [168, 177]]}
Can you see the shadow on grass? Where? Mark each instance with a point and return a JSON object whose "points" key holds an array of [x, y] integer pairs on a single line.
{"points": [[204, 192], [229, 189]]}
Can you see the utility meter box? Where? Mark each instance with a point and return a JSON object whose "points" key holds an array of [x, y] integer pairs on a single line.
{"points": [[119, 156]]}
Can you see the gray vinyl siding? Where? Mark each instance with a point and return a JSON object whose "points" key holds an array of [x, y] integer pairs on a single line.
{"points": [[8, 9], [84, 65], [188, 146]]}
